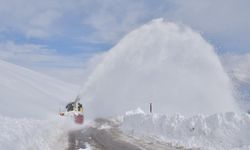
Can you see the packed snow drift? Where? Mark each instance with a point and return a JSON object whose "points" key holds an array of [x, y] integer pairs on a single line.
{"points": [[164, 63], [222, 131]]}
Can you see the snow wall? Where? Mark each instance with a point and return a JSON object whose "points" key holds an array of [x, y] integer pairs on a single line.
{"points": [[223, 131], [161, 62]]}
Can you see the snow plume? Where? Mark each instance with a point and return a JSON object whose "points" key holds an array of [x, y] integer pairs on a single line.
{"points": [[161, 62], [238, 68], [222, 131], [238, 65]]}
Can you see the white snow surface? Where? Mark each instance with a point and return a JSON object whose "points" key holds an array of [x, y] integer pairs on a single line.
{"points": [[223, 131], [31, 134], [28, 94]]}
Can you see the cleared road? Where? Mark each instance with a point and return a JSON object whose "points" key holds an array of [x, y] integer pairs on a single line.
{"points": [[107, 136]]}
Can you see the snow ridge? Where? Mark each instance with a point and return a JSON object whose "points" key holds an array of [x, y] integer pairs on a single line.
{"points": [[219, 131]]}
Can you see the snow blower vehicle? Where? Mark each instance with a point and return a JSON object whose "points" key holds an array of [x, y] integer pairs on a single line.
{"points": [[74, 109]]}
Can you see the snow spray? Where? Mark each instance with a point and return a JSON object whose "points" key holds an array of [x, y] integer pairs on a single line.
{"points": [[161, 61]]}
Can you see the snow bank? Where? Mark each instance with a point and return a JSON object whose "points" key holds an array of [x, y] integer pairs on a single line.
{"points": [[220, 131], [161, 62], [24, 134]]}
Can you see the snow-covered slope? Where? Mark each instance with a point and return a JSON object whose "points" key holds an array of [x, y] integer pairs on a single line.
{"points": [[28, 102], [224, 131], [25, 93]]}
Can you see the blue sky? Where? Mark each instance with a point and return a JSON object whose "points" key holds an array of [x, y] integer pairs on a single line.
{"points": [[63, 34]]}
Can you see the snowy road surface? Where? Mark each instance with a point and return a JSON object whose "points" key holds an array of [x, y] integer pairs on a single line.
{"points": [[105, 135]]}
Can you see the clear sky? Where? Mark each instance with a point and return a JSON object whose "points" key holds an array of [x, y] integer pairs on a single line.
{"points": [[51, 34]]}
